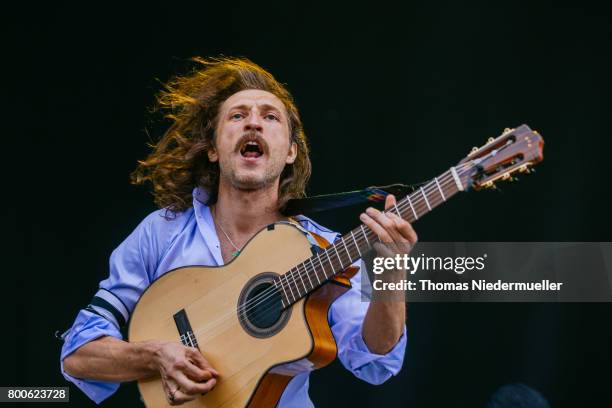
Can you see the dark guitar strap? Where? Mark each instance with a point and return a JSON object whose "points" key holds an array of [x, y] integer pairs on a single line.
{"points": [[374, 194]]}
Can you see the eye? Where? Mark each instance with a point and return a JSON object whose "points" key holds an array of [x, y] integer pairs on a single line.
{"points": [[236, 116], [271, 116]]}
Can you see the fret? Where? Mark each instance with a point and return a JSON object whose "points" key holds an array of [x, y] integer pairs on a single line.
{"points": [[283, 288], [425, 197], [290, 289], [356, 246], [298, 286], [346, 249], [297, 268], [365, 235], [440, 189], [307, 274], [416, 217], [338, 255], [399, 214], [330, 262], [322, 268], [314, 269], [282, 301]]}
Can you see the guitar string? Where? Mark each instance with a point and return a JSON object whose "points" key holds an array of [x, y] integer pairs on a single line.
{"points": [[419, 200], [271, 310], [418, 207], [292, 276], [446, 180], [418, 204]]}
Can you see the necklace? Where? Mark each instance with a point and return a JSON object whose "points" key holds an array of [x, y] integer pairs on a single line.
{"points": [[237, 250]]}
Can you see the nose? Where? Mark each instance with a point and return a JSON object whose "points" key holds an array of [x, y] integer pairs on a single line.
{"points": [[253, 122]]}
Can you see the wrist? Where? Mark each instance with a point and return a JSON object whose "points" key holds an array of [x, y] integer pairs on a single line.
{"points": [[149, 353]]}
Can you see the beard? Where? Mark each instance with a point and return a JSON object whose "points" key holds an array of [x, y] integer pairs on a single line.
{"points": [[250, 182], [246, 180]]}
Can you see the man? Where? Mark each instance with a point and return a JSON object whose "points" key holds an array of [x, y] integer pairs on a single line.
{"points": [[232, 157]]}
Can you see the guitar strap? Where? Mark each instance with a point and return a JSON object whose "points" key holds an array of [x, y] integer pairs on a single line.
{"points": [[310, 205]]}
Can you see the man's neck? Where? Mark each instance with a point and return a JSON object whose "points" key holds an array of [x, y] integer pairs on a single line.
{"points": [[242, 213]]}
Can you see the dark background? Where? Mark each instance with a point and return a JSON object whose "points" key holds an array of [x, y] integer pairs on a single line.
{"points": [[388, 93]]}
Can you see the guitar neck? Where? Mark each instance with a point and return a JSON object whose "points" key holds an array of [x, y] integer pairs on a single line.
{"points": [[318, 269]]}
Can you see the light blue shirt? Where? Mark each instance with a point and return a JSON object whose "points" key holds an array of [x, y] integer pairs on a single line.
{"points": [[159, 245]]}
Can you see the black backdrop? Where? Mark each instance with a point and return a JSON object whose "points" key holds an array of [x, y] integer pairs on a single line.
{"points": [[387, 93]]}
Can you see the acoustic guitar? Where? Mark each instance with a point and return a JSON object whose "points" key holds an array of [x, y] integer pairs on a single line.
{"points": [[262, 318]]}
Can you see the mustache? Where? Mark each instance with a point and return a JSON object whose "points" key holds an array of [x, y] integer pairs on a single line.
{"points": [[251, 136]]}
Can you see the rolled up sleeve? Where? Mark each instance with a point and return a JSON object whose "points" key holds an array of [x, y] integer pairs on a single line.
{"points": [[346, 319], [87, 327]]}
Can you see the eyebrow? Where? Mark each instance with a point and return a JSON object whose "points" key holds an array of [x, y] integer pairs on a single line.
{"points": [[263, 106]]}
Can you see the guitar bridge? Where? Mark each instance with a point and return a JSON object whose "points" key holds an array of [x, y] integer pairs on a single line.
{"points": [[184, 328]]}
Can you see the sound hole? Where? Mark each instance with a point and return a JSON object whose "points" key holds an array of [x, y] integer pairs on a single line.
{"points": [[263, 306], [260, 308]]}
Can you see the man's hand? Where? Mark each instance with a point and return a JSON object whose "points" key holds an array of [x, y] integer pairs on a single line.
{"points": [[184, 371], [395, 233], [384, 321]]}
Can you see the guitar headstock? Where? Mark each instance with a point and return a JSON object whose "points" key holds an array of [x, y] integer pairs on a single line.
{"points": [[516, 150]]}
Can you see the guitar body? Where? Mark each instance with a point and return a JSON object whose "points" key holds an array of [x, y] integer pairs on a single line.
{"points": [[256, 359]]}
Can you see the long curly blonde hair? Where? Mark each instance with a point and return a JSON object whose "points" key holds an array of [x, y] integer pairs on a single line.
{"points": [[179, 161]]}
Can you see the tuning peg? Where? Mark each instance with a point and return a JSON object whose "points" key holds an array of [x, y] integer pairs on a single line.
{"points": [[526, 169], [474, 149], [489, 184], [490, 140]]}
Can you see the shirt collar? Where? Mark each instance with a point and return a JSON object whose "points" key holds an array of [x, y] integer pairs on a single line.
{"points": [[200, 195], [206, 224]]}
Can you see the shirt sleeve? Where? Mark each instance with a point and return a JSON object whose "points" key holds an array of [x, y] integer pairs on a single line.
{"points": [[132, 265], [346, 319]]}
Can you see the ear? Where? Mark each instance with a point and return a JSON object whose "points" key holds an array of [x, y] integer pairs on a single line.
{"points": [[291, 156], [212, 154]]}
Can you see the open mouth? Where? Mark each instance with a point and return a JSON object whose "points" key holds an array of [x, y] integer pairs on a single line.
{"points": [[251, 149]]}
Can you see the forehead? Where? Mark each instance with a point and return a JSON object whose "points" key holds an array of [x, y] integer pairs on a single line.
{"points": [[253, 97]]}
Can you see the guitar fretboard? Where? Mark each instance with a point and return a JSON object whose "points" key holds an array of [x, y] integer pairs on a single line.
{"points": [[318, 269]]}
